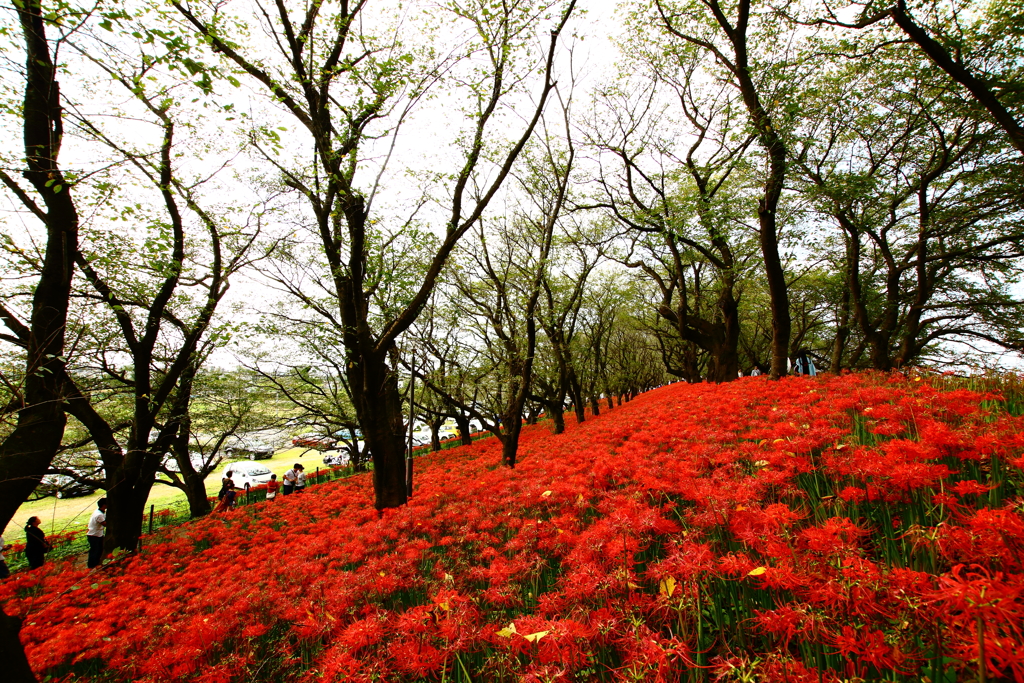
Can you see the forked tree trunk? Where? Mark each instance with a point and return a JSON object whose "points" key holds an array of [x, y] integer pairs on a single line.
{"points": [[195, 492], [774, 146], [378, 405], [192, 484], [725, 354], [127, 494]]}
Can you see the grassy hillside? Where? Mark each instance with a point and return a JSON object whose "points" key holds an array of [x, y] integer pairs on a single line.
{"points": [[823, 529]]}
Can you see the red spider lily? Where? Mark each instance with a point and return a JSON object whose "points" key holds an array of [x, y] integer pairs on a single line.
{"points": [[984, 613], [699, 531]]}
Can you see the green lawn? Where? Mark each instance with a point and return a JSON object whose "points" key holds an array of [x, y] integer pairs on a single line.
{"points": [[73, 513]]}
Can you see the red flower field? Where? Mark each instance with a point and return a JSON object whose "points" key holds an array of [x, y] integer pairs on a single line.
{"points": [[828, 529]]}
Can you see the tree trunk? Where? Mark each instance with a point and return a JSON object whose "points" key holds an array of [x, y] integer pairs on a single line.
{"points": [[463, 424], [12, 654], [767, 205], [595, 405], [378, 405], [27, 452], [195, 492], [909, 345], [842, 333], [435, 437], [557, 414], [193, 485], [128, 491], [724, 351], [579, 403], [873, 339], [510, 445], [781, 322], [878, 348]]}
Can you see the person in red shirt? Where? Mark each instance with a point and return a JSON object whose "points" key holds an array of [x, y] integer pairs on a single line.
{"points": [[272, 487]]}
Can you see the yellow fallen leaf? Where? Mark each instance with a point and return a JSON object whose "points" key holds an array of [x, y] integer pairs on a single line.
{"points": [[757, 572], [444, 605], [667, 586], [508, 632], [545, 494], [534, 637], [383, 574]]}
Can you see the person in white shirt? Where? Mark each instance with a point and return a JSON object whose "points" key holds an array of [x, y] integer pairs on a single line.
{"points": [[300, 478], [94, 534], [290, 477]]}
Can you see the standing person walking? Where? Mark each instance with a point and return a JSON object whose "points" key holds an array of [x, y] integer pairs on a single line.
{"points": [[225, 483], [290, 477], [300, 479], [36, 545], [227, 494], [95, 533]]}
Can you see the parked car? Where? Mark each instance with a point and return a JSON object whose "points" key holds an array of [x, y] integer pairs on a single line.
{"points": [[248, 474], [337, 458], [197, 458], [348, 435], [62, 486], [249, 446], [420, 439], [315, 441], [347, 440]]}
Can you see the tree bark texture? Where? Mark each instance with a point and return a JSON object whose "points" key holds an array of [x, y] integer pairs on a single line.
{"points": [[12, 653], [27, 452]]}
